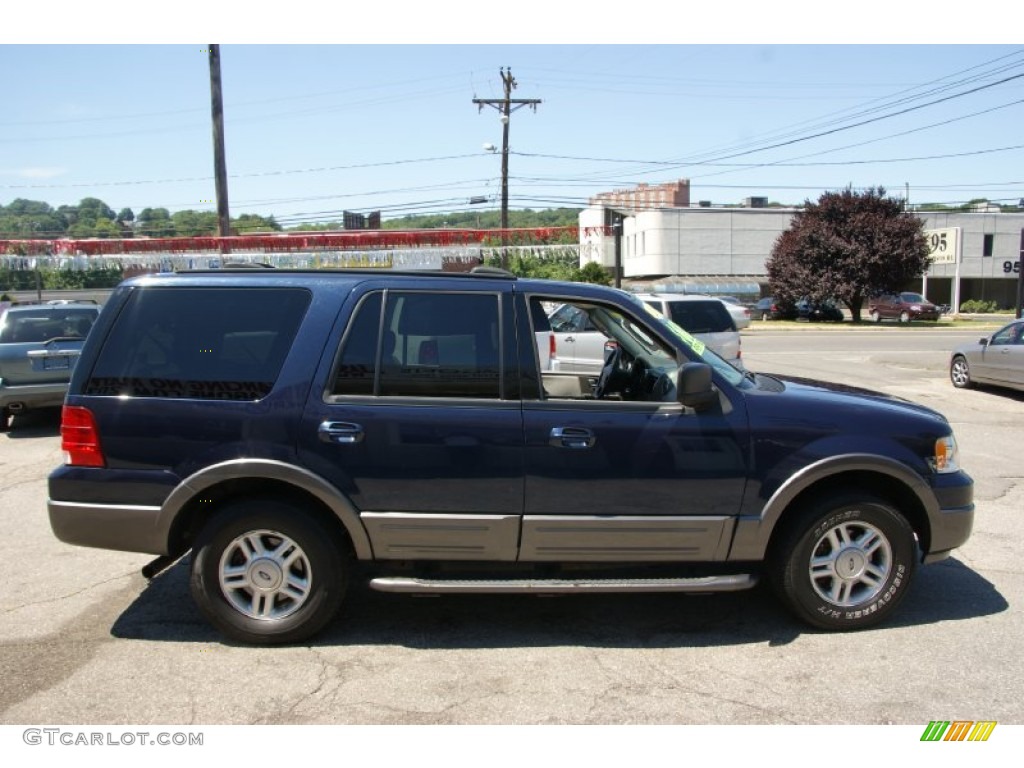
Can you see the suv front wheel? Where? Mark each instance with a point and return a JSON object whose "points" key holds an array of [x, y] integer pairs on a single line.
{"points": [[263, 571], [846, 564]]}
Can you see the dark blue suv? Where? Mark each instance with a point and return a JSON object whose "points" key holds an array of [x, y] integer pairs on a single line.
{"points": [[285, 426]]}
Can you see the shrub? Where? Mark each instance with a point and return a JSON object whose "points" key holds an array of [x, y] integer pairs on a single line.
{"points": [[979, 307]]}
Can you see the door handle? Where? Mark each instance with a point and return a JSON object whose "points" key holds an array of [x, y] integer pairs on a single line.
{"points": [[576, 438], [340, 432], [569, 339]]}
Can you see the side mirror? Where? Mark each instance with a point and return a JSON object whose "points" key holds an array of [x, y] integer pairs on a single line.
{"points": [[694, 388], [983, 341]]}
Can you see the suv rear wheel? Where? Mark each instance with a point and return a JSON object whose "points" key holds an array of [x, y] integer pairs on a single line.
{"points": [[847, 563], [263, 571]]}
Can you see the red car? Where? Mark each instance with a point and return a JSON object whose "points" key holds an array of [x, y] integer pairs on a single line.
{"points": [[905, 306]]}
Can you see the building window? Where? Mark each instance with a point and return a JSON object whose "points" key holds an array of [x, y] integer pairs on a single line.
{"points": [[986, 248]]}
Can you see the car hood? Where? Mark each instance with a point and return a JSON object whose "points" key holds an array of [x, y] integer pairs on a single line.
{"points": [[812, 393]]}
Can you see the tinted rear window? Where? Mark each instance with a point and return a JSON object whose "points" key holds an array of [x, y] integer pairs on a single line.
{"points": [[701, 316], [45, 323], [202, 343]]}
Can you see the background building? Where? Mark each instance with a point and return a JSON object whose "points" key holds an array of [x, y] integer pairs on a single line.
{"points": [[702, 247]]}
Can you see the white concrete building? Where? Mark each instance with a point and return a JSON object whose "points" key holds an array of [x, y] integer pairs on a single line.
{"points": [[976, 254]]}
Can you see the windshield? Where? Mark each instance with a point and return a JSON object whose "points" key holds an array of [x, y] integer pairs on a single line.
{"points": [[914, 298], [637, 340], [697, 347]]}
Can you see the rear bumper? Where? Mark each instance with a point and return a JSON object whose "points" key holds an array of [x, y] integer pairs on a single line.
{"points": [[127, 528], [33, 395]]}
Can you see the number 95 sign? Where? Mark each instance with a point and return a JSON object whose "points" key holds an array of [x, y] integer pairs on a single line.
{"points": [[943, 245]]}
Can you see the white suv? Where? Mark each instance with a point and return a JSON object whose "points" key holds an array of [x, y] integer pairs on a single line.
{"points": [[580, 346], [706, 317]]}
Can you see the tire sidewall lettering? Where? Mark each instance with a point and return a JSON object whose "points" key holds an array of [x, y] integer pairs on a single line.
{"points": [[797, 589]]}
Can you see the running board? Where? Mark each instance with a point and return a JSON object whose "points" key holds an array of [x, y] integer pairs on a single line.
{"points": [[731, 583]]}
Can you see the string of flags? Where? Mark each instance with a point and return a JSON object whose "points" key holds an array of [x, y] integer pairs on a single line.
{"points": [[385, 249]]}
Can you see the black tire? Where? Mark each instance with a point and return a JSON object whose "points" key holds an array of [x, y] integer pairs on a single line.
{"points": [[960, 373], [5, 420], [865, 553], [904, 317], [876, 316], [304, 567]]}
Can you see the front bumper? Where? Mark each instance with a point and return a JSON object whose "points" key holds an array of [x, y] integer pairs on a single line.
{"points": [[951, 525]]}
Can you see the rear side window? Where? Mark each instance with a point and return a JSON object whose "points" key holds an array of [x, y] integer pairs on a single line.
{"points": [[199, 343], [701, 316], [407, 343]]}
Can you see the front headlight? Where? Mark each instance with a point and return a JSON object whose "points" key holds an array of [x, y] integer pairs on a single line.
{"points": [[947, 456]]}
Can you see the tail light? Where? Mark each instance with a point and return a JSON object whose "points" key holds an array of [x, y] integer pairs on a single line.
{"points": [[79, 438], [552, 346]]}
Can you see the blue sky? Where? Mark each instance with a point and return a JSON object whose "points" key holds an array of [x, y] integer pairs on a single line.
{"points": [[314, 129]]}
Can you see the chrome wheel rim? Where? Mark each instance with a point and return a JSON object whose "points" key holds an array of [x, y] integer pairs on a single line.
{"points": [[960, 373], [265, 575], [850, 564]]}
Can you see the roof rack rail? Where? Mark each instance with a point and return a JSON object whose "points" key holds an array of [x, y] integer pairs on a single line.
{"points": [[485, 271]]}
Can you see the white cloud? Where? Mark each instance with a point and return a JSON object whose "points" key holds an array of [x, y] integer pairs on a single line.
{"points": [[34, 172]]}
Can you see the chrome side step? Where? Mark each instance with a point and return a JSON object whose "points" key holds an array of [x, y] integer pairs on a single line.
{"points": [[730, 583]]}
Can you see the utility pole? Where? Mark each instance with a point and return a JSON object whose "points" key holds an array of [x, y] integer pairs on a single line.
{"points": [[506, 107], [220, 167]]}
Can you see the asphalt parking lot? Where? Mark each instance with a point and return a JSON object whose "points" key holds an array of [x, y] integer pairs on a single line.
{"points": [[85, 639]]}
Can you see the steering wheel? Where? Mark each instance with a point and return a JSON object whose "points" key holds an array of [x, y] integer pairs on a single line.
{"points": [[611, 363]]}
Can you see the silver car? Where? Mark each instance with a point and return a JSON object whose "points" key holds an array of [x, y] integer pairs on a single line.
{"points": [[39, 346], [997, 359]]}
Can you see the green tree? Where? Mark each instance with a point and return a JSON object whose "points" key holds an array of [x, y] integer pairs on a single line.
{"points": [[106, 228], [125, 216], [69, 213], [191, 223], [30, 219], [248, 223], [82, 229], [155, 222], [592, 272], [93, 208], [849, 246]]}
